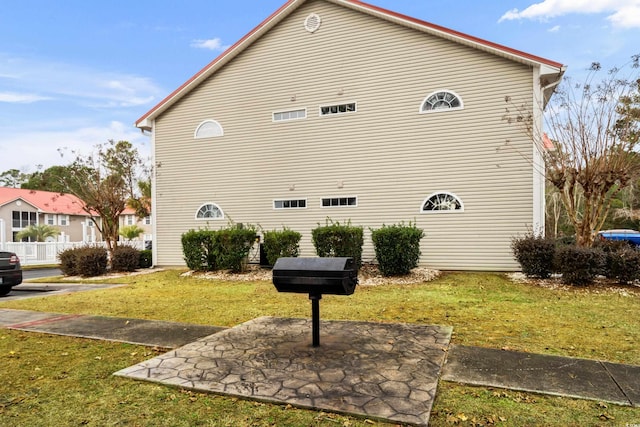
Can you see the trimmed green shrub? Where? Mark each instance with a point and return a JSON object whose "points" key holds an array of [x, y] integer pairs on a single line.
{"points": [[86, 261], [623, 264], [610, 249], [146, 259], [233, 246], [579, 265], [125, 258], [397, 248], [91, 261], [535, 255], [198, 249], [207, 250], [69, 262], [277, 244], [339, 240]]}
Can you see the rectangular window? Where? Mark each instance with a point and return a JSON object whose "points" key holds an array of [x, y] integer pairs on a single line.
{"points": [[331, 202], [50, 219], [23, 219], [128, 220], [327, 110], [281, 116], [290, 204], [147, 220], [63, 219]]}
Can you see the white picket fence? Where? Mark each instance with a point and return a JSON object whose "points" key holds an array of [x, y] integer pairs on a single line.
{"points": [[37, 253]]}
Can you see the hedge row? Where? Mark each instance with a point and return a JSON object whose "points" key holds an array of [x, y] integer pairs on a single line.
{"points": [[90, 261], [540, 257], [397, 247], [227, 249]]}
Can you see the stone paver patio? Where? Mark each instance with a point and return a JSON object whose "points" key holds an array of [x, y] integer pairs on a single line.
{"points": [[377, 370]]}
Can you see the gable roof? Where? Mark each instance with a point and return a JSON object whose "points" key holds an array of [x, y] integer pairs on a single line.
{"points": [[550, 71], [44, 201]]}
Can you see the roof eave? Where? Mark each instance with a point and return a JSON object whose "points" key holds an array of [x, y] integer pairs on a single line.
{"points": [[146, 122], [449, 34], [548, 67]]}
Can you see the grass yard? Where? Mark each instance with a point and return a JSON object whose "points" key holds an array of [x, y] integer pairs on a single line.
{"points": [[67, 381]]}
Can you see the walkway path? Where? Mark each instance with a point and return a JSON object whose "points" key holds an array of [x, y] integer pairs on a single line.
{"points": [[385, 371]]}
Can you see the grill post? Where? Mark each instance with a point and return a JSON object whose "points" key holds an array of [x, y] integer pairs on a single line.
{"points": [[315, 318]]}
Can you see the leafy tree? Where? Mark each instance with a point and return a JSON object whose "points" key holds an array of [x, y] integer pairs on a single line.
{"points": [[131, 232], [593, 127], [105, 181], [51, 179], [38, 233], [142, 204], [12, 178]]}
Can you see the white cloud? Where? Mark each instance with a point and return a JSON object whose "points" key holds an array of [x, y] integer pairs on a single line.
{"points": [[211, 44], [554, 29], [21, 98], [622, 13], [40, 147], [82, 85]]}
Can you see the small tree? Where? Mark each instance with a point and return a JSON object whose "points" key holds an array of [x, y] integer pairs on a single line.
{"points": [[38, 233], [142, 204], [131, 232], [105, 181], [593, 127]]}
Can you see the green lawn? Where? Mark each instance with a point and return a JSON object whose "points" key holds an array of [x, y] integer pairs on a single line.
{"points": [[66, 381]]}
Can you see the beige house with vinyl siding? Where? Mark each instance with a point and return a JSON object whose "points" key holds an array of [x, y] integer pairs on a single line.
{"points": [[342, 110]]}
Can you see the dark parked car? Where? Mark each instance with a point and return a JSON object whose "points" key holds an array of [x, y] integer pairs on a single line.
{"points": [[10, 272]]}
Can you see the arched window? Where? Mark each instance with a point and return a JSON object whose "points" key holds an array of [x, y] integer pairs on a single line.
{"points": [[208, 129], [442, 202], [441, 100], [209, 211]]}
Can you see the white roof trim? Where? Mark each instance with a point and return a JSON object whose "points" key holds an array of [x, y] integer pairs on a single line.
{"points": [[548, 68]]}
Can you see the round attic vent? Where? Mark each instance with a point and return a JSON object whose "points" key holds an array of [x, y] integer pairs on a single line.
{"points": [[312, 23]]}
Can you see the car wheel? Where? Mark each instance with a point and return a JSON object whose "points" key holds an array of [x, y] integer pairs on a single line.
{"points": [[4, 290]]}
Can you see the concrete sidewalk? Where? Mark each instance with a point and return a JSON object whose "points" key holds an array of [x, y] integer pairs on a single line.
{"points": [[385, 371], [153, 333]]}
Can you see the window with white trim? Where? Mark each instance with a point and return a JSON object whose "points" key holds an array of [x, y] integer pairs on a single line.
{"points": [[282, 116], [147, 220], [208, 129], [22, 219], [442, 202], [327, 110], [63, 220], [129, 219], [332, 202], [290, 204], [441, 100], [50, 219], [209, 211]]}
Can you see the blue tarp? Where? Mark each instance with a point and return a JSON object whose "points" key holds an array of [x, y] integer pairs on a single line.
{"points": [[631, 236]]}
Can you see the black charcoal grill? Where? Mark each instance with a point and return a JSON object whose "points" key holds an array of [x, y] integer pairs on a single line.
{"points": [[316, 276]]}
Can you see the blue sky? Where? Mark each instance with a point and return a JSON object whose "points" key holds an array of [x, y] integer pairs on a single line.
{"points": [[75, 73]]}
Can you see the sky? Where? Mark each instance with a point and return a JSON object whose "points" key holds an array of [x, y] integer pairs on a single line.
{"points": [[76, 73]]}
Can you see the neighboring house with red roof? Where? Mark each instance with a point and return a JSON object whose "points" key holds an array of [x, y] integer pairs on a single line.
{"points": [[129, 217], [340, 109], [20, 208]]}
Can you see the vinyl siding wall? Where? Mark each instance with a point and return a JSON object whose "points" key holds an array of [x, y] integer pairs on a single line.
{"points": [[387, 154]]}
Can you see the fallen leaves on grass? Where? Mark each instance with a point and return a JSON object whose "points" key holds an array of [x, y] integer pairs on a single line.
{"points": [[368, 275]]}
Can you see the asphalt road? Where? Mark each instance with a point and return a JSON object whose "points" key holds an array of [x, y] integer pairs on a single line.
{"points": [[40, 272]]}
